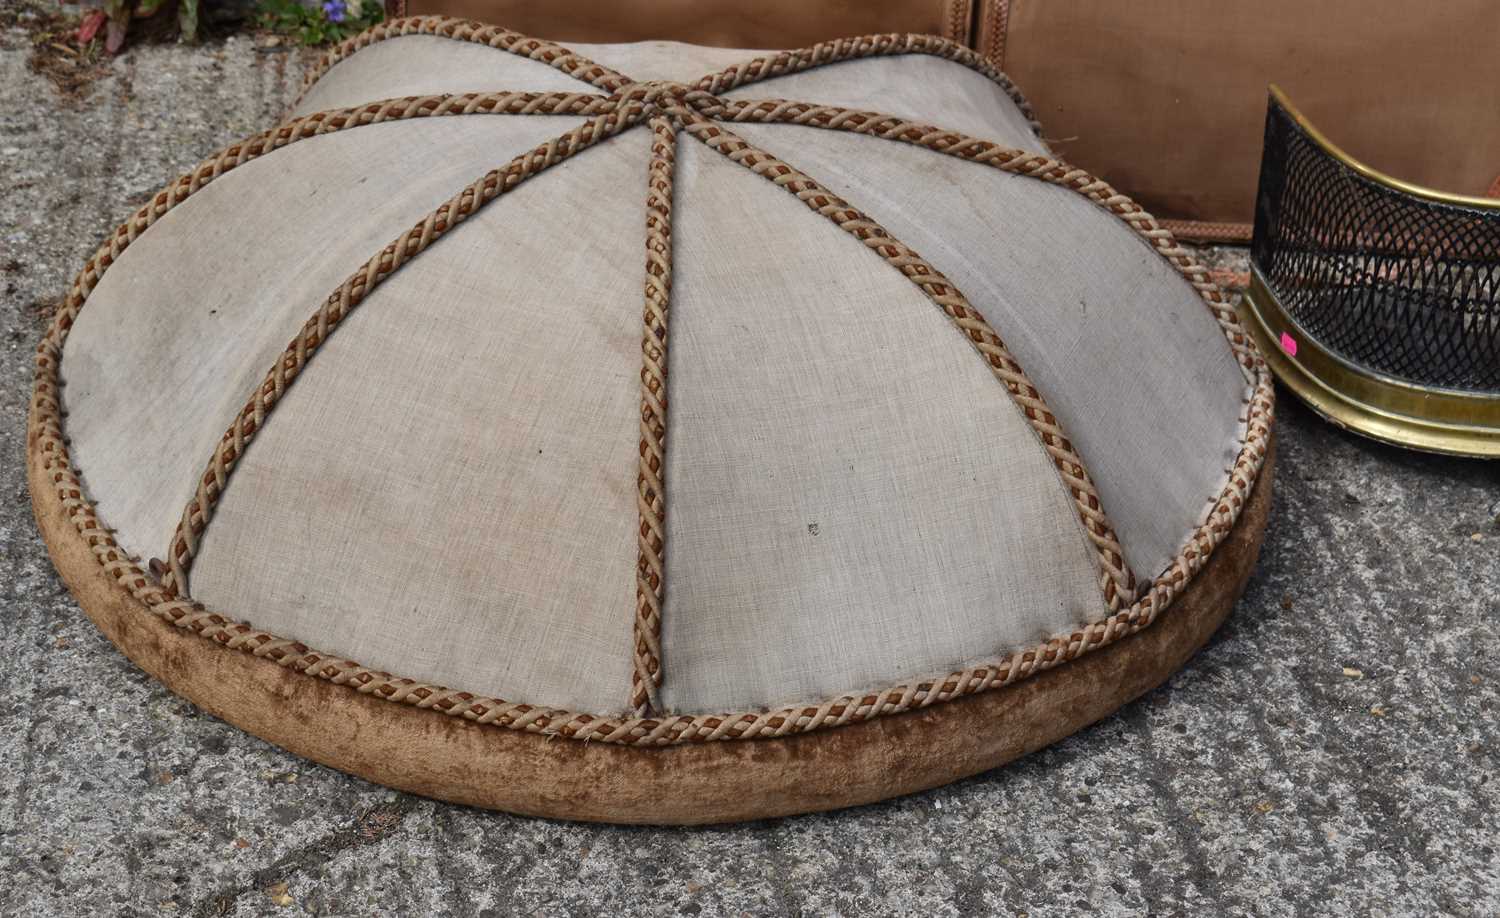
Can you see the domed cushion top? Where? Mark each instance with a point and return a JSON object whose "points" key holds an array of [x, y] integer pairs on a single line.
{"points": [[904, 402]]}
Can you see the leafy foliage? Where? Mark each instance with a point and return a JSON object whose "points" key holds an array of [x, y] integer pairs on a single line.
{"points": [[331, 21]]}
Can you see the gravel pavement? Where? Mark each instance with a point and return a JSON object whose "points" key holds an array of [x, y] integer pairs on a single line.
{"points": [[1333, 751]]}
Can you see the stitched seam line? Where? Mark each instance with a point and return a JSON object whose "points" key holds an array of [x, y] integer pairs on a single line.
{"points": [[999, 25], [1209, 229], [958, 17]]}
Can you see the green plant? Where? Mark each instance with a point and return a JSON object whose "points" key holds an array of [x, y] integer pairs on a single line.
{"points": [[330, 21]]}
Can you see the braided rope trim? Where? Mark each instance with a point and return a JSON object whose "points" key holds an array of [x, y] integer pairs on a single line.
{"points": [[183, 547], [786, 721], [650, 485], [1018, 162], [821, 54], [501, 39], [312, 125], [1117, 581], [845, 709]]}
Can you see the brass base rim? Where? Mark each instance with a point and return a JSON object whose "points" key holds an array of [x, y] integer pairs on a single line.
{"points": [[1325, 382]]}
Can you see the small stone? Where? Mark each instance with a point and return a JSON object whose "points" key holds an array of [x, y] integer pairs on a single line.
{"points": [[279, 895]]}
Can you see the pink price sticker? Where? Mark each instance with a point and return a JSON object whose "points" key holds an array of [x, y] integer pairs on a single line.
{"points": [[1289, 344]]}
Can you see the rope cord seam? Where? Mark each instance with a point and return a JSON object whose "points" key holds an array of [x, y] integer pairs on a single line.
{"points": [[651, 477], [1117, 581], [466, 30], [198, 512]]}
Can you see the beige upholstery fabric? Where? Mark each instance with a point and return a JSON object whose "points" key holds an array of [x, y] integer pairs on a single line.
{"points": [[416, 65], [854, 498], [917, 86], [448, 492], [663, 60], [182, 329], [423, 65], [458, 466], [1136, 369]]}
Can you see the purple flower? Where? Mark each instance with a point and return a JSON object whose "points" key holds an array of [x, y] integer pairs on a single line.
{"points": [[334, 10]]}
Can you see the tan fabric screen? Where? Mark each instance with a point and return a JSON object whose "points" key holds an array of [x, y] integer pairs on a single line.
{"points": [[1167, 98]]}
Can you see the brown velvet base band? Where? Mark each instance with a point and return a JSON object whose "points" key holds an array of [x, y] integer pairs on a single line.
{"points": [[437, 755]]}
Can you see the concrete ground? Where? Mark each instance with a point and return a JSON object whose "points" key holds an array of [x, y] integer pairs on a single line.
{"points": [[1333, 751]]}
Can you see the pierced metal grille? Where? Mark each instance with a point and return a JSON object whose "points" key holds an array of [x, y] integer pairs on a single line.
{"points": [[1393, 282]]}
